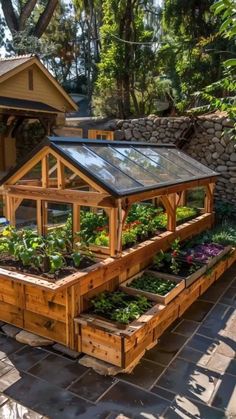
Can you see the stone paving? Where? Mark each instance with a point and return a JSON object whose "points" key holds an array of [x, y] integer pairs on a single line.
{"points": [[191, 373]]}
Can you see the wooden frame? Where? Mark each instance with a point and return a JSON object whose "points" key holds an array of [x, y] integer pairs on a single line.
{"points": [[57, 190], [48, 308]]}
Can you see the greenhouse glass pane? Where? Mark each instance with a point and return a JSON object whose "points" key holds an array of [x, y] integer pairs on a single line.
{"points": [[169, 168], [100, 168], [127, 166], [151, 166], [187, 161], [171, 163]]}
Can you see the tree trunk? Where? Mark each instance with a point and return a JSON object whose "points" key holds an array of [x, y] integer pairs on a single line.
{"points": [[25, 13], [10, 16], [45, 18], [127, 58]]}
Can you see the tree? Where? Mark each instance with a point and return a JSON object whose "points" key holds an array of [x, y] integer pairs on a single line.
{"points": [[89, 18], [2, 32], [227, 84], [193, 49], [18, 18], [128, 59], [59, 43]]}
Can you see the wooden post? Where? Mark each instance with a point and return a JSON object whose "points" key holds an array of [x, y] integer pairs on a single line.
{"points": [[169, 202], [209, 198], [182, 199], [39, 217], [60, 175], [45, 170], [113, 222], [12, 212], [75, 221], [44, 216], [121, 215]]}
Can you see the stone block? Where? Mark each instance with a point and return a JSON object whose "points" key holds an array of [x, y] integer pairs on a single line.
{"points": [[66, 351], [10, 330], [32, 339]]}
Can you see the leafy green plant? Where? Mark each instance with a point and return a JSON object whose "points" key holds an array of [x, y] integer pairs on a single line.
{"points": [[118, 306], [46, 254], [102, 239], [152, 283]]}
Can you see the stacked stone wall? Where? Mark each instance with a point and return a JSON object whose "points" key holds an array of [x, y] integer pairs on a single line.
{"points": [[209, 142]]}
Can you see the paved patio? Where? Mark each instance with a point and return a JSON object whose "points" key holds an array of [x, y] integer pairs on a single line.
{"points": [[191, 373]]}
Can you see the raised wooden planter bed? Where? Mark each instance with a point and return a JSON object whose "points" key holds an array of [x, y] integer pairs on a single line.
{"points": [[48, 309], [195, 275], [163, 299], [103, 340], [187, 279], [221, 255]]}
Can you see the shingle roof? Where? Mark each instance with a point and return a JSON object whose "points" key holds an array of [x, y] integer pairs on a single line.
{"points": [[8, 64]]}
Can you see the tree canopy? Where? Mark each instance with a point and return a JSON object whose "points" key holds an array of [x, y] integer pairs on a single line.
{"points": [[130, 57]]}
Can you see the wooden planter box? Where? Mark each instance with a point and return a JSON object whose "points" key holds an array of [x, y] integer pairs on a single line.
{"points": [[164, 299], [187, 279], [100, 251], [48, 309], [103, 340], [124, 348], [216, 259]]}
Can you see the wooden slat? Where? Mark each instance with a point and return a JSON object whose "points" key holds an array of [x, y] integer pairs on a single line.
{"points": [[154, 193], [11, 314], [62, 195], [28, 166], [44, 326]]}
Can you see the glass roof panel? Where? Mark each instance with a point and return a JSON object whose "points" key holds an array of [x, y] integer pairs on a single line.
{"points": [[99, 167], [126, 165], [182, 169], [186, 161], [151, 166]]}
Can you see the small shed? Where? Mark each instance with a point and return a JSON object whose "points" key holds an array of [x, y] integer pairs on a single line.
{"points": [[27, 91], [102, 174]]}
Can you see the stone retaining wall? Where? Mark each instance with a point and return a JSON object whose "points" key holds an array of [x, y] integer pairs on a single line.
{"points": [[208, 142]]}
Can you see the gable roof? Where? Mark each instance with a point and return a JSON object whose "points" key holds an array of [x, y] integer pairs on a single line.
{"points": [[8, 64], [13, 65], [124, 168]]}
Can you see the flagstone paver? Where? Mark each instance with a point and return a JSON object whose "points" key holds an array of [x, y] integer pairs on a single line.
{"points": [[190, 374]]}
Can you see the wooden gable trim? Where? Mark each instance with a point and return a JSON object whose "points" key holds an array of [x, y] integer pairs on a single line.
{"points": [[36, 61], [27, 166]]}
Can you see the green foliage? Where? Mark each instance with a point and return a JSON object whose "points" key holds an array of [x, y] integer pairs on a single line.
{"points": [[224, 211], [90, 224], [128, 77], [119, 306], [46, 254], [143, 221], [221, 94], [192, 49], [151, 283]]}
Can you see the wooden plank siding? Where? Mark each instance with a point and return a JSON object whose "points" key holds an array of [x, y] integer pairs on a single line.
{"points": [[44, 91]]}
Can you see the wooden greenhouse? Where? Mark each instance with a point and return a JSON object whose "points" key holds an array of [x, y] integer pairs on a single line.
{"points": [[70, 177]]}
